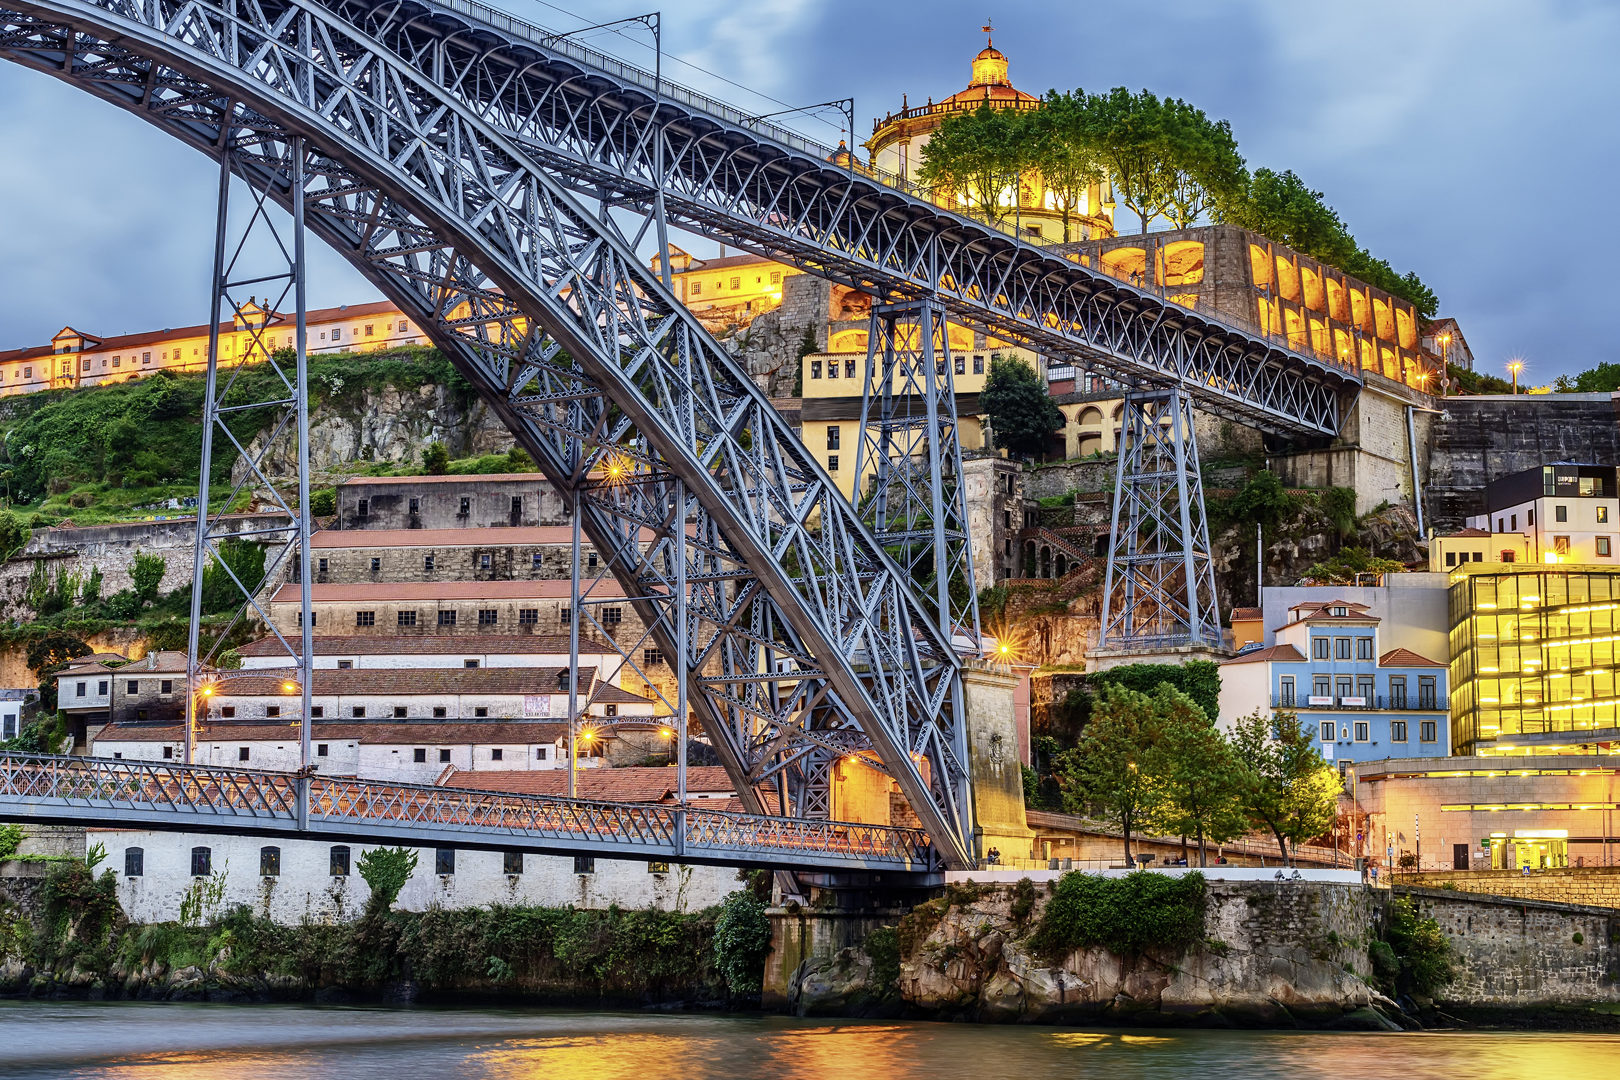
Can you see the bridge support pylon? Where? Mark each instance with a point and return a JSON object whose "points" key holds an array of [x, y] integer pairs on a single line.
{"points": [[1160, 593]]}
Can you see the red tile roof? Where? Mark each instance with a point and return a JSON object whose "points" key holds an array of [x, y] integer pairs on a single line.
{"points": [[458, 733], [1406, 658], [450, 478], [1469, 533], [1274, 652], [401, 682], [1247, 614], [430, 645], [634, 784], [546, 589]]}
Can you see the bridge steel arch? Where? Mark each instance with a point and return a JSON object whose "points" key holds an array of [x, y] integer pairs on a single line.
{"points": [[805, 641]]}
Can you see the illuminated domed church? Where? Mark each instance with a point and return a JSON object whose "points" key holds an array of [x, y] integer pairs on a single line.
{"points": [[898, 139]]}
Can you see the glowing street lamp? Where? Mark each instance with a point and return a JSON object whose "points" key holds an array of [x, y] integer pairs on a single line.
{"points": [[1515, 366]]}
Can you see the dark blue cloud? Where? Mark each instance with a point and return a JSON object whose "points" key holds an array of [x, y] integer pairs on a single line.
{"points": [[1469, 142]]}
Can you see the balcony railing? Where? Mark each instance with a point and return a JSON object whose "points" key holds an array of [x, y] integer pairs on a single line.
{"points": [[1359, 702]]}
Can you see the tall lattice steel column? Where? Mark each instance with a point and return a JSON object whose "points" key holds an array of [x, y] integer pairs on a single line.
{"points": [[910, 446], [1161, 583], [260, 381]]}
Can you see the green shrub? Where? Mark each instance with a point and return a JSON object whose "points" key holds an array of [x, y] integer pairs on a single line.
{"points": [[385, 871], [11, 838], [883, 946], [1424, 959], [1126, 915], [1023, 903], [742, 938], [323, 502], [147, 576]]}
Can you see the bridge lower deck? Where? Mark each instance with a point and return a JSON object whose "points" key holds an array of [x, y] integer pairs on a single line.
{"points": [[105, 792]]}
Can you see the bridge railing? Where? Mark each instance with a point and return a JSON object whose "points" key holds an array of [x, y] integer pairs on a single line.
{"points": [[262, 799]]}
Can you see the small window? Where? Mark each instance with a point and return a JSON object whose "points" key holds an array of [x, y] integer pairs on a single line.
{"points": [[649, 657], [1361, 731], [958, 365], [590, 561], [368, 329], [134, 862], [337, 864], [610, 709], [736, 282], [101, 687], [166, 686], [168, 751], [512, 862], [485, 561], [322, 750], [469, 665], [562, 680], [376, 565], [1560, 513], [697, 288], [496, 754], [584, 864], [978, 364], [517, 505], [439, 712], [466, 507], [536, 562], [337, 333], [539, 753], [815, 369], [566, 615], [419, 754], [1326, 730], [227, 711], [399, 712], [242, 753], [1602, 514], [314, 618], [480, 711], [272, 712], [365, 618], [269, 862], [444, 860], [1397, 731], [345, 665], [1427, 731], [359, 712], [427, 564], [612, 616], [1602, 546], [529, 616], [833, 370], [132, 686], [1451, 558], [447, 618], [363, 508], [1561, 545], [658, 868], [444, 756], [202, 862], [416, 507], [407, 618], [488, 616]]}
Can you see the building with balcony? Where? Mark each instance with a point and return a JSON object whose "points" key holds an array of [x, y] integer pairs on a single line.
{"points": [[1534, 654], [1362, 702], [1563, 512]]}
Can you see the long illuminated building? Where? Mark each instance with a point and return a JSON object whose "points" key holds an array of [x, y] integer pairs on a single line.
{"points": [[1534, 654]]}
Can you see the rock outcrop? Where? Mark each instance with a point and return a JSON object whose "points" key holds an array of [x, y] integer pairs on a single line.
{"points": [[1276, 954]]}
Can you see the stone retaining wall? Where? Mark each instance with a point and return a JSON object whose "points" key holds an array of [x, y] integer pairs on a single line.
{"points": [[1594, 886]]}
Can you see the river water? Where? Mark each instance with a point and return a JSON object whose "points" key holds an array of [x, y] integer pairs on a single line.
{"points": [[130, 1041]]}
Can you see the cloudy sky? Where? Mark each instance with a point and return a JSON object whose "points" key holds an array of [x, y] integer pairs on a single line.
{"points": [[1470, 141]]}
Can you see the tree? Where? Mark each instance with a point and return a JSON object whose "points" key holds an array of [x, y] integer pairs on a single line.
{"points": [[1198, 679], [1203, 781], [1283, 208], [147, 576], [1022, 414], [1288, 788], [51, 653], [1347, 567], [1114, 768], [1131, 135], [91, 591], [1060, 152], [242, 559], [976, 156], [13, 534], [385, 870], [436, 459], [1263, 500], [1205, 166]]}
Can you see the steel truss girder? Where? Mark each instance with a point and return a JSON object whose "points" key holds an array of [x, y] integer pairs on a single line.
{"points": [[1160, 589], [108, 793], [812, 632], [600, 123]]}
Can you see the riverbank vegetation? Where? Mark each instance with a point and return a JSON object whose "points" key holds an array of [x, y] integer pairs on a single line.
{"points": [[76, 938]]}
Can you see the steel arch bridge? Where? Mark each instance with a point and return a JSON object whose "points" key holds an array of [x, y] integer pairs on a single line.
{"points": [[477, 170]]}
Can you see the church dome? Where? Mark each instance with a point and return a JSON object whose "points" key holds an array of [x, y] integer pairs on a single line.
{"points": [[990, 84]]}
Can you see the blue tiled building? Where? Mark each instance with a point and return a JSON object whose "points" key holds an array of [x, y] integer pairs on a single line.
{"points": [[1363, 704]]}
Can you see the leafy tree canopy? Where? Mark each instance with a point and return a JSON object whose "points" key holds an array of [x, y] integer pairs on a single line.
{"points": [[1022, 413], [977, 156], [1290, 790]]}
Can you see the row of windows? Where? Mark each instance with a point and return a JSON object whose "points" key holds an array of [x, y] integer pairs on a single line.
{"points": [[959, 365], [736, 283], [1326, 648], [1428, 731], [339, 862], [1363, 687], [132, 686], [611, 615], [1510, 523], [399, 712], [419, 754], [362, 508]]}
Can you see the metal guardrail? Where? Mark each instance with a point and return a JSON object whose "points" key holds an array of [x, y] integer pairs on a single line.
{"points": [[147, 794]]}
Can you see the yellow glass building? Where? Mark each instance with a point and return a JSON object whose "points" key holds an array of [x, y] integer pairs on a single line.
{"points": [[1534, 653]]}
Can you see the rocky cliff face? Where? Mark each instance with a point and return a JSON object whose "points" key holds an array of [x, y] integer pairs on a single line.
{"points": [[389, 424], [1277, 954]]}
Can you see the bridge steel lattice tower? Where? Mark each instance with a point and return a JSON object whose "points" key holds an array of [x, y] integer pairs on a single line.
{"points": [[1160, 590]]}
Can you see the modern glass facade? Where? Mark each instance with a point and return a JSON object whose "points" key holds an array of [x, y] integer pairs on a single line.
{"points": [[1533, 660]]}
